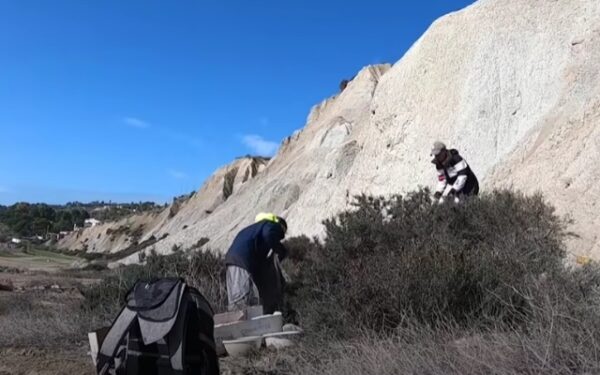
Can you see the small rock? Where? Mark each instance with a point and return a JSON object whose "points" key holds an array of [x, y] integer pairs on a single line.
{"points": [[278, 343], [6, 286], [292, 328]]}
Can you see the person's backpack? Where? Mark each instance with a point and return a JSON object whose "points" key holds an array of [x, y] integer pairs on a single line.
{"points": [[165, 328]]}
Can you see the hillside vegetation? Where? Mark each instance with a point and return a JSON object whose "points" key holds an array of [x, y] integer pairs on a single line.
{"points": [[39, 219], [401, 285]]}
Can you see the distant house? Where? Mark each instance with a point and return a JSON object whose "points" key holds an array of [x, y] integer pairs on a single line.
{"points": [[91, 222]]}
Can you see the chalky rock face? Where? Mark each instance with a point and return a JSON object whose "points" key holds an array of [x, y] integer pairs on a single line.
{"points": [[513, 84]]}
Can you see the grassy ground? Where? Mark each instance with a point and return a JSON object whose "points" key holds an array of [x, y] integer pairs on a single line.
{"points": [[36, 259]]}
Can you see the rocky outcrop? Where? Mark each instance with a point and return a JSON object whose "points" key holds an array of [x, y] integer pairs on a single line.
{"points": [[515, 85]]}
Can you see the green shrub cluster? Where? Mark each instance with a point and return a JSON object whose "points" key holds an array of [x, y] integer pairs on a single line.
{"points": [[387, 260]]}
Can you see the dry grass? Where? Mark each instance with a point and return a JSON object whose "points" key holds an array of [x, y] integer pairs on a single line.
{"points": [[44, 332], [41, 319], [50, 361], [421, 350]]}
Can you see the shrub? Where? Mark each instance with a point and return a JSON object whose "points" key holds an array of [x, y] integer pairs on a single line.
{"points": [[204, 270], [560, 336], [558, 333], [389, 259]]}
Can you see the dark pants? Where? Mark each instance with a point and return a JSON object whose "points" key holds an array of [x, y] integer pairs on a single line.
{"points": [[270, 283], [471, 188]]}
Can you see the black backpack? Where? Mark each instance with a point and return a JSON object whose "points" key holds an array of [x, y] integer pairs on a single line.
{"points": [[165, 328]]}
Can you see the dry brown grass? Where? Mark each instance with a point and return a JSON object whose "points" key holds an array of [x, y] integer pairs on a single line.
{"points": [[43, 332], [41, 319], [420, 350], [54, 361]]}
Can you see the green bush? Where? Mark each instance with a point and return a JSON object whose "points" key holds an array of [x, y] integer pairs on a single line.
{"points": [[387, 260]]}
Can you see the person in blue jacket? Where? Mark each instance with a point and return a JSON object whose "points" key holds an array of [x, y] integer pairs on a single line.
{"points": [[253, 273]]}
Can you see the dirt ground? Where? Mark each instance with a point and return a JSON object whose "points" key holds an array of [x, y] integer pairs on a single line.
{"points": [[40, 331], [76, 362], [45, 362]]}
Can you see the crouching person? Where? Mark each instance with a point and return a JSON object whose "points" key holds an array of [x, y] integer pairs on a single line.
{"points": [[455, 177], [253, 273]]}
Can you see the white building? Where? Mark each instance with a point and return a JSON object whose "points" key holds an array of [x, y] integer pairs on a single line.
{"points": [[91, 222]]}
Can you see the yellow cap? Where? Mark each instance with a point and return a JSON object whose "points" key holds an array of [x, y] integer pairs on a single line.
{"points": [[266, 216]]}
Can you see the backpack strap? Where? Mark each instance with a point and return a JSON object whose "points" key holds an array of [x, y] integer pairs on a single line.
{"points": [[205, 336], [180, 355], [176, 338], [165, 361], [106, 354]]}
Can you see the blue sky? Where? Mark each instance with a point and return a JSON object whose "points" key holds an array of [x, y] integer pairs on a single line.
{"points": [[137, 99]]}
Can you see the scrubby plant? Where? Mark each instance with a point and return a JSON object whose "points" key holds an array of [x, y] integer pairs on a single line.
{"points": [[204, 270], [403, 285], [387, 259]]}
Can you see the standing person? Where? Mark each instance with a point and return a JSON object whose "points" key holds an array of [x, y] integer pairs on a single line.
{"points": [[252, 262], [455, 177]]}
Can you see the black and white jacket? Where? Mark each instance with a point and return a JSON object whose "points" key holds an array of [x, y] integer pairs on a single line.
{"points": [[455, 177]]}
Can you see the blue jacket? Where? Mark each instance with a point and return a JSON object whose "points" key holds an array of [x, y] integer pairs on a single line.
{"points": [[251, 246]]}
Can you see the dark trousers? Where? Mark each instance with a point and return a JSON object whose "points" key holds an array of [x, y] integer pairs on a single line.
{"points": [[471, 188], [270, 283]]}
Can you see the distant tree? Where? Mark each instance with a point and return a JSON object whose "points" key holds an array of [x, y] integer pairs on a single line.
{"points": [[5, 233], [40, 226], [25, 219]]}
